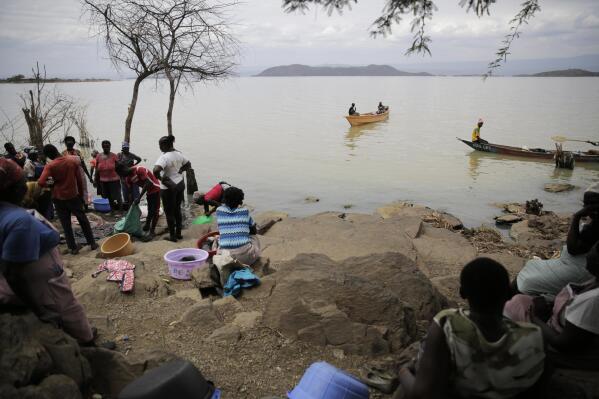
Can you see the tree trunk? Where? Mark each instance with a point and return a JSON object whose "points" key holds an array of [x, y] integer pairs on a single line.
{"points": [[171, 102], [131, 110], [36, 136]]}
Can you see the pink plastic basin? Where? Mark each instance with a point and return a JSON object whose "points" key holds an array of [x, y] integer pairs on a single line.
{"points": [[181, 270]]}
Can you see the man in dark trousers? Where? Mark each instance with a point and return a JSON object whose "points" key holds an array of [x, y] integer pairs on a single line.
{"points": [[62, 174]]}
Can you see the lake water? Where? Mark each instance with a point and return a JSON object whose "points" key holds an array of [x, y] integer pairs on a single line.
{"points": [[283, 139]]}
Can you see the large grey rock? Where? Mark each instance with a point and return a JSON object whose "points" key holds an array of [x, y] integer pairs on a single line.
{"points": [[358, 305], [32, 350]]}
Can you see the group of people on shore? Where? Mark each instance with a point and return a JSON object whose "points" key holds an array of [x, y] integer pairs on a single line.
{"points": [[514, 334], [31, 267]]}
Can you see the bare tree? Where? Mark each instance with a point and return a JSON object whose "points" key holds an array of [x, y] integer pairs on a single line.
{"points": [[192, 40], [422, 11], [46, 111], [9, 126], [125, 29]]}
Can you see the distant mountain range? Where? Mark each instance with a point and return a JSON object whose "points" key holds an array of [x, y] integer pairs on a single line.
{"points": [[563, 73], [305, 70]]}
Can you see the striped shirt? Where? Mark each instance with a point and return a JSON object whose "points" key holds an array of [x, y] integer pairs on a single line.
{"points": [[233, 226]]}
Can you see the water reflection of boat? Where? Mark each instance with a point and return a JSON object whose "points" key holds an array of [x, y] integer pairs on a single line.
{"points": [[362, 119], [354, 133], [535, 153]]}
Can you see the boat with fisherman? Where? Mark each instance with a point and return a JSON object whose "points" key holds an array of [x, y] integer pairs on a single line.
{"points": [[361, 119], [535, 153]]}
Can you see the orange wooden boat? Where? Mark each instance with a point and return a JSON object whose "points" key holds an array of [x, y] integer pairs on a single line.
{"points": [[357, 120]]}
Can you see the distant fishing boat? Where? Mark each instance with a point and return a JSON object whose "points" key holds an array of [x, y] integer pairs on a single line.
{"points": [[536, 153], [357, 120]]}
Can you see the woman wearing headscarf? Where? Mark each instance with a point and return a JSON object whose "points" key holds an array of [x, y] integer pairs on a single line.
{"points": [[31, 268], [168, 169]]}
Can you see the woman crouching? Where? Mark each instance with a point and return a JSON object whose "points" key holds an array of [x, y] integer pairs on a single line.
{"points": [[237, 228]]}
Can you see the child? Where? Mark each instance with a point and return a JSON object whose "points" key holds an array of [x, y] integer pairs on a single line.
{"points": [[142, 177], [213, 197]]}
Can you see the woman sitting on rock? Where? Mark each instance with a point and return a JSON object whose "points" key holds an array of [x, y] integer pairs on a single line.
{"points": [[477, 353], [237, 229], [571, 327], [30, 262], [548, 277]]}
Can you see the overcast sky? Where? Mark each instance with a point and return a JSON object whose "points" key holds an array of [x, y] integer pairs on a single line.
{"points": [[54, 33]]}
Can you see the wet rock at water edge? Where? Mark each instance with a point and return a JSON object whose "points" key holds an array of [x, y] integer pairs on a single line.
{"points": [[507, 219], [558, 187]]}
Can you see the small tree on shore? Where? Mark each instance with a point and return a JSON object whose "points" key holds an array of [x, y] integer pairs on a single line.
{"points": [[192, 40], [125, 29], [46, 111], [422, 11]]}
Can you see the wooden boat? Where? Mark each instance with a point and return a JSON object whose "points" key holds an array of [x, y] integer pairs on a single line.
{"points": [[535, 153], [357, 120]]}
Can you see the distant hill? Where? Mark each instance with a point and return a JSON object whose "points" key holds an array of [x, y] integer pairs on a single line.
{"points": [[563, 73], [305, 70]]}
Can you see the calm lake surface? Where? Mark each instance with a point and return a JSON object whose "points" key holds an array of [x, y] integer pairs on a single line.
{"points": [[283, 139]]}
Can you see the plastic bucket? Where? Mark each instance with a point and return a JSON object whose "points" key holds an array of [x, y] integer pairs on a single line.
{"points": [[323, 381], [101, 205], [181, 270], [117, 245]]}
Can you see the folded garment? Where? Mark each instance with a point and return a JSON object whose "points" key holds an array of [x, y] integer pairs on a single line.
{"points": [[239, 279]]}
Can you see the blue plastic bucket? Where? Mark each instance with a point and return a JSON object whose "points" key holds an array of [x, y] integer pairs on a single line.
{"points": [[323, 381], [101, 205]]}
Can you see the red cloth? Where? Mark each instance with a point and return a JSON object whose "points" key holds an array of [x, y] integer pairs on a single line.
{"points": [[68, 183], [106, 167], [10, 173], [214, 194], [140, 175]]}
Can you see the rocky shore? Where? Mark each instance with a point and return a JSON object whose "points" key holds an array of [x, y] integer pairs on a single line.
{"points": [[350, 289]]}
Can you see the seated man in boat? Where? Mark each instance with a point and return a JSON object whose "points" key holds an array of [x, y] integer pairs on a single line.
{"points": [[476, 133], [352, 109], [382, 108], [478, 353], [570, 325], [548, 277]]}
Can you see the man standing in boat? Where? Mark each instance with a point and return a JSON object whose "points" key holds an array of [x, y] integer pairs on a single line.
{"points": [[476, 133], [352, 109]]}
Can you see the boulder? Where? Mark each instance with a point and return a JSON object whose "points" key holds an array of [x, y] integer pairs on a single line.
{"points": [[226, 333], [201, 315], [442, 252], [508, 219], [326, 233], [110, 369], [358, 305], [247, 320], [558, 187]]}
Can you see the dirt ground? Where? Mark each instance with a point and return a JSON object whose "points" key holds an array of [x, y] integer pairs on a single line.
{"points": [[228, 340]]}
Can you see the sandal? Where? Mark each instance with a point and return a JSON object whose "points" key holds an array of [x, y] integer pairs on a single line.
{"points": [[380, 380]]}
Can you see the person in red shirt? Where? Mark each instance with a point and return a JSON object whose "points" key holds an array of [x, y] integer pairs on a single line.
{"points": [[63, 175], [144, 178], [107, 178], [213, 197]]}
